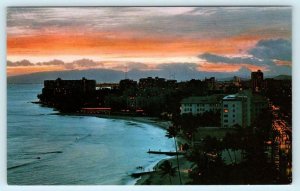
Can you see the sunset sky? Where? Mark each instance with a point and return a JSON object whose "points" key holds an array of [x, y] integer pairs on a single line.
{"points": [[206, 39]]}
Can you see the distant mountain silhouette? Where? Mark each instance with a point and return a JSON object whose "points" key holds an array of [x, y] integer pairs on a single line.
{"points": [[107, 75], [279, 77], [282, 77], [232, 78], [98, 75]]}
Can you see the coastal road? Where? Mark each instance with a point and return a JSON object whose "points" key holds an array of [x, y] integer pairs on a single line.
{"points": [[283, 146]]}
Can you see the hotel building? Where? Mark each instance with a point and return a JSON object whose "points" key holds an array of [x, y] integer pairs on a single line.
{"points": [[200, 104], [239, 109], [242, 109]]}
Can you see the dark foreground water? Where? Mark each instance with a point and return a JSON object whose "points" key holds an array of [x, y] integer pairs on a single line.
{"points": [[43, 148]]}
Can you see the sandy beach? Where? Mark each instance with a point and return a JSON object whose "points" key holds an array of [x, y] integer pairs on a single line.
{"points": [[142, 119], [149, 120]]}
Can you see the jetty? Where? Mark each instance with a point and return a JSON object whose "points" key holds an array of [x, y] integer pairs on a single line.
{"points": [[169, 153]]}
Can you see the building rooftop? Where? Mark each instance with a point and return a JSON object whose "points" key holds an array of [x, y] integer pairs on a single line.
{"points": [[230, 97], [234, 97], [246, 94]]}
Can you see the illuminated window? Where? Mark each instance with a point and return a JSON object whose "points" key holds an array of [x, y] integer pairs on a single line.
{"points": [[225, 110]]}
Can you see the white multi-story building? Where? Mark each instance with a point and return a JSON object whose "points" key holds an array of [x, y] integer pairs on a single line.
{"points": [[242, 109], [234, 111], [200, 104]]}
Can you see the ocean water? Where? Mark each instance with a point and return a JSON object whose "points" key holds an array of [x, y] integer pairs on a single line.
{"points": [[48, 149]]}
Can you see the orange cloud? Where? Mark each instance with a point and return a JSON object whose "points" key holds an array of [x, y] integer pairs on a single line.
{"points": [[13, 71], [223, 67], [123, 44], [283, 63], [108, 46]]}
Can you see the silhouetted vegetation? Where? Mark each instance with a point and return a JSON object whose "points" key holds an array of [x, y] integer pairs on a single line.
{"points": [[254, 166], [167, 169], [172, 132]]}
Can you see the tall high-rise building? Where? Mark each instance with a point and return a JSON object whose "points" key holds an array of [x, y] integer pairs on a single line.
{"points": [[257, 79]]}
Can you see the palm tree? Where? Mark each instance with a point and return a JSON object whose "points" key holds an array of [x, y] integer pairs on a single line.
{"points": [[206, 170], [167, 169], [227, 145], [172, 132], [189, 125]]}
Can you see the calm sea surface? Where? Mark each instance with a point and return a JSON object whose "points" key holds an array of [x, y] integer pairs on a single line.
{"points": [[52, 149]]}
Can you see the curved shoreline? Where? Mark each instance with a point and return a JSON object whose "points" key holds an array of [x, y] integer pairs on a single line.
{"points": [[148, 120], [154, 178]]}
